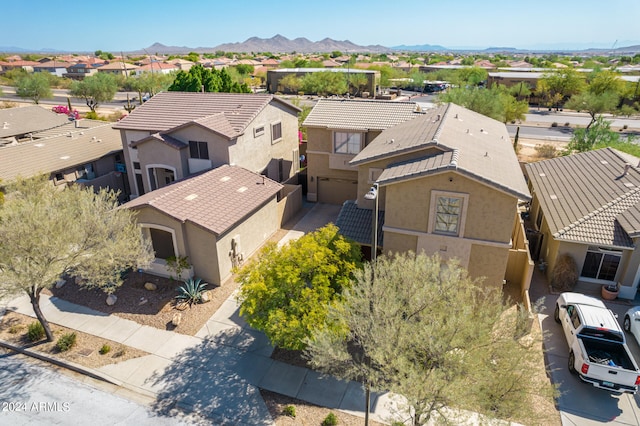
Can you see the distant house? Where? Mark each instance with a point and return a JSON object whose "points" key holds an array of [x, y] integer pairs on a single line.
{"points": [[54, 67], [84, 152], [178, 134], [337, 131], [216, 220], [81, 70], [587, 205], [449, 183], [18, 64], [118, 68], [157, 67]]}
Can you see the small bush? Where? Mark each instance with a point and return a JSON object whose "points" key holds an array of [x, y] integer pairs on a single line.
{"points": [[35, 331], [66, 342], [121, 352], [16, 328], [565, 274], [289, 410], [554, 124], [567, 124], [105, 349], [330, 420], [546, 151], [191, 291]]}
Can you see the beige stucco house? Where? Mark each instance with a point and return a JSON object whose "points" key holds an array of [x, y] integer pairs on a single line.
{"points": [[337, 130], [176, 134], [216, 219], [448, 182], [587, 205]]}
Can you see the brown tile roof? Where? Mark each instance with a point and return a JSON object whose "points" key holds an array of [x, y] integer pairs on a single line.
{"points": [[353, 114], [587, 197], [167, 110], [164, 138], [470, 143], [23, 120], [216, 200], [58, 152]]}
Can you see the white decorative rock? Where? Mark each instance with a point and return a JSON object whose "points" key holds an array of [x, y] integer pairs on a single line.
{"points": [[111, 299], [175, 321], [60, 283], [206, 296], [150, 286]]}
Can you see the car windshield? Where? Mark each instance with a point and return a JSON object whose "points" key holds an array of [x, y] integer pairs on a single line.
{"points": [[605, 334]]}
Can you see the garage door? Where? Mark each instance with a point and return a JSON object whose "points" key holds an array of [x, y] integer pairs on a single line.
{"points": [[336, 191]]}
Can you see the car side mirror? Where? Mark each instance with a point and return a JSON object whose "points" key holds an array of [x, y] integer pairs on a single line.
{"points": [[563, 306]]}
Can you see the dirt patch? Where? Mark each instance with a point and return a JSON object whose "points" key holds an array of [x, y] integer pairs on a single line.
{"points": [[153, 308], [86, 352], [305, 412], [527, 152]]}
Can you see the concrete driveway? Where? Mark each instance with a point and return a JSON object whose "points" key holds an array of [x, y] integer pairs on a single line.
{"points": [[580, 403]]}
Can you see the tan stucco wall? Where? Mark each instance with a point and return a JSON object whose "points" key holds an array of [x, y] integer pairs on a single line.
{"points": [[488, 262], [203, 252], [218, 146], [160, 154]]}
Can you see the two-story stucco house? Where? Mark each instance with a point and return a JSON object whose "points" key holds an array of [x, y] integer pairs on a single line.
{"points": [[176, 134], [448, 182], [337, 130]]}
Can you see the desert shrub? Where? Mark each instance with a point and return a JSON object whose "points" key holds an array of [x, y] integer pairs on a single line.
{"points": [[16, 328], [565, 274], [567, 124], [546, 151], [554, 124], [191, 291], [105, 349], [289, 410], [66, 342], [92, 115], [35, 331], [121, 352], [330, 420]]}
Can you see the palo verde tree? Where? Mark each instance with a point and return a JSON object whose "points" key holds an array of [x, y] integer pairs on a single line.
{"points": [[286, 292], [495, 102], [48, 233], [95, 89], [597, 135], [556, 87], [421, 328], [34, 86]]}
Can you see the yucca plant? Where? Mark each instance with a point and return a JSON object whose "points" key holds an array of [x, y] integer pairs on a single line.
{"points": [[191, 291]]}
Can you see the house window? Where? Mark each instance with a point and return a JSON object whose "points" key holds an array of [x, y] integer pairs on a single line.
{"points": [[136, 165], [276, 132], [162, 242], [258, 131], [601, 263], [199, 150], [58, 178], [447, 213], [347, 143]]}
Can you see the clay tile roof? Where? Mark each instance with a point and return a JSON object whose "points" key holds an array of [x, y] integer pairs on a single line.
{"points": [[588, 198], [359, 114], [215, 200], [355, 223]]}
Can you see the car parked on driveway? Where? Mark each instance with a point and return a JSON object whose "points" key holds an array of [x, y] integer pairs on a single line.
{"points": [[631, 322]]}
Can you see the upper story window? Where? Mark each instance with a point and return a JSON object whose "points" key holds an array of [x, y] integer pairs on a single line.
{"points": [[347, 143], [199, 150], [276, 132], [258, 131], [447, 213]]}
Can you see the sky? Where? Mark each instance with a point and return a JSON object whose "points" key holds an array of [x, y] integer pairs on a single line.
{"points": [[117, 25]]}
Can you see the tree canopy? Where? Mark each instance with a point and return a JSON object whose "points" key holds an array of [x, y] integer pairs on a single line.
{"points": [[95, 89], [495, 102], [598, 134], [421, 328], [287, 291], [199, 78], [48, 233], [34, 86]]}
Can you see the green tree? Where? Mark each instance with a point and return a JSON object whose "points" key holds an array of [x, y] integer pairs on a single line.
{"points": [[96, 89], [594, 104], [421, 328], [34, 86], [291, 83], [287, 291], [245, 69], [495, 102], [556, 87], [606, 81], [357, 83], [325, 83], [471, 76], [48, 233], [199, 77], [597, 135]]}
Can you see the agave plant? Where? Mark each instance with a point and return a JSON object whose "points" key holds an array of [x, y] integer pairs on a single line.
{"points": [[191, 291]]}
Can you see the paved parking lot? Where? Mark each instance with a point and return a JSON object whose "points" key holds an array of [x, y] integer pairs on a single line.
{"points": [[580, 403]]}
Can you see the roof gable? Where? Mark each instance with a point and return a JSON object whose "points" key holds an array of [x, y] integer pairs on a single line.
{"points": [[359, 114]]}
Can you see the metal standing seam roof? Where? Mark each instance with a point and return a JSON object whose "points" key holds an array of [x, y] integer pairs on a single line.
{"points": [[588, 198], [353, 114], [215, 200], [29, 119], [167, 110], [56, 153], [472, 144]]}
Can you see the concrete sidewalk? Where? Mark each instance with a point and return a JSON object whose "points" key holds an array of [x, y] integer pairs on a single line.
{"points": [[218, 371]]}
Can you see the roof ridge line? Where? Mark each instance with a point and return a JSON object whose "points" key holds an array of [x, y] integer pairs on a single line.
{"points": [[597, 211]]}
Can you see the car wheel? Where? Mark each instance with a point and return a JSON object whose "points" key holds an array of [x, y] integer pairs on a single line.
{"points": [[556, 314], [626, 323], [572, 362]]}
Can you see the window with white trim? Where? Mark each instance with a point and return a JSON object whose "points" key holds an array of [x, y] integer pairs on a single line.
{"points": [[448, 210], [347, 143], [276, 132], [601, 263]]}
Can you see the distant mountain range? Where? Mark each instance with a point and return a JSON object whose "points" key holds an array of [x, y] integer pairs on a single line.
{"points": [[281, 44]]}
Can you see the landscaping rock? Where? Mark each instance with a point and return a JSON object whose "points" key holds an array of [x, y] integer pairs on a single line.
{"points": [[60, 283], [111, 299], [206, 296], [143, 300], [176, 319], [150, 286]]}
